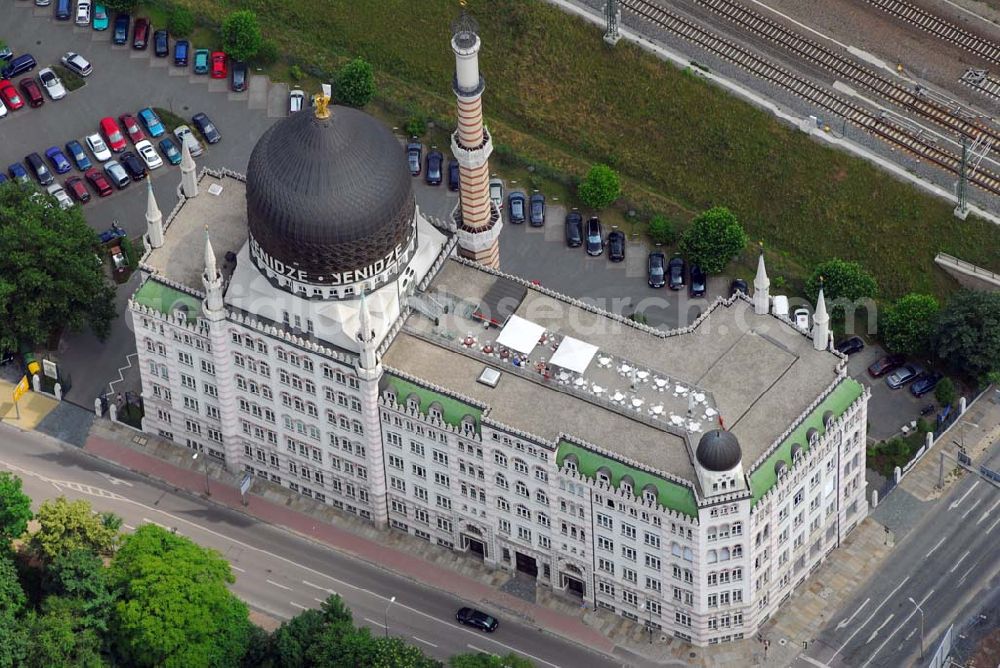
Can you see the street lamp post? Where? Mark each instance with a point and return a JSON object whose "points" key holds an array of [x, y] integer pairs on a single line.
{"points": [[921, 611], [391, 601], [208, 489]]}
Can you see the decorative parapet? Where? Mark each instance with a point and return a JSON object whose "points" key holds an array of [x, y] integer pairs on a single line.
{"points": [[640, 501], [270, 329], [666, 475], [414, 413], [518, 433]]}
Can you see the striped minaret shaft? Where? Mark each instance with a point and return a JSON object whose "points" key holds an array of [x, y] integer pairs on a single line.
{"points": [[479, 220]]}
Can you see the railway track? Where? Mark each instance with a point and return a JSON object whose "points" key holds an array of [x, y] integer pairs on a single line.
{"points": [[892, 133], [945, 30], [982, 81], [845, 69]]}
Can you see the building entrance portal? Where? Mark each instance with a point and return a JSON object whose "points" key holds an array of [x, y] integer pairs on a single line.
{"points": [[474, 546], [526, 564], [573, 585]]}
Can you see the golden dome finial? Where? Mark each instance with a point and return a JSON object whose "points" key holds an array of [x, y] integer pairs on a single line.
{"points": [[322, 103]]}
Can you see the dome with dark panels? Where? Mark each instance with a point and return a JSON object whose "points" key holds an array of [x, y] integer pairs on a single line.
{"points": [[329, 195], [718, 450]]}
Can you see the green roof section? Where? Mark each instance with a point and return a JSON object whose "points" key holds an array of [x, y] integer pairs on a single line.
{"points": [[453, 410], [165, 299], [670, 494], [837, 402]]}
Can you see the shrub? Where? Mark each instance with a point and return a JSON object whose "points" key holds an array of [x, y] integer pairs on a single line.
{"points": [[296, 73], [355, 84], [180, 22], [661, 230], [600, 187], [945, 392], [268, 53], [416, 126]]}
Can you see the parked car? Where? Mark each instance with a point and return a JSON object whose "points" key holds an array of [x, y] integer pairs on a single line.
{"points": [[655, 269], [43, 3], [185, 136], [117, 174], [206, 128], [218, 65], [161, 43], [238, 76], [5, 53], [477, 619], [133, 165], [595, 237], [75, 62], [32, 92], [100, 13], [414, 151], [64, 9], [181, 49], [150, 158], [454, 175], [516, 202], [926, 383], [59, 193], [884, 365], [52, 84], [675, 272], [434, 165], [10, 95], [119, 35], [113, 134], [140, 34], [201, 61], [38, 168], [496, 192], [78, 155], [78, 189], [699, 282], [152, 122], [537, 210], [18, 173], [18, 66], [903, 375], [99, 182], [739, 285], [97, 146], [616, 246], [3, 109], [574, 229], [58, 159], [132, 127], [850, 346], [801, 319], [295, 99], [170, 150], [82, 12]]}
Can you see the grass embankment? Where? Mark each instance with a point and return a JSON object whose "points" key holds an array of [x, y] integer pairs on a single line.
{"points": [[558, 97]]}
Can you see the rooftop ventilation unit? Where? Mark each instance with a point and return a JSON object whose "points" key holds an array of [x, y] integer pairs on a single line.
{"points": [[489, 376]]}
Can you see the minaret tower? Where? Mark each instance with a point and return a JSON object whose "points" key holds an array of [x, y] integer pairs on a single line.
{"points": [[477, 220], [189, 179], [369, 371], [154, 219], [821, 322], [761, 287]]}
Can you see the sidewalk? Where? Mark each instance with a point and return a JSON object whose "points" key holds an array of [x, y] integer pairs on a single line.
{"points": [[33, 407]]}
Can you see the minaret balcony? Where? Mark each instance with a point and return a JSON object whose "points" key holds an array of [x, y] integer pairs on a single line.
{"points": [[472, 157]]}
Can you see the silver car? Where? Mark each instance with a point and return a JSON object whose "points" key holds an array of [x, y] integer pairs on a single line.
{"points": [[496, 192], [59, 193], [52, 84], [185, 136], [903, 375], [77, 63], [117, 174]]}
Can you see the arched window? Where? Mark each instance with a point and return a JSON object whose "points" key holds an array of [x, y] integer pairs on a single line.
{"points": [[501, 481], [604, 475], [520, 466], [712, 557], [521, 488], [724, 554], [413, 402], [541, 498], [649, 493]]}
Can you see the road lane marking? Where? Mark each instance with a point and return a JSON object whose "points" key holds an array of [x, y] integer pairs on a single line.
{"points": [[426, 642], [372, 621], [237, 568], [809, 659], [858, 630], [480, 649], [128, 526], [969, 570], [994, 525], [875, 632], [971, 508], [908, 636], [149, 521], [904, 623], [935, 547], [318, 600], [278, 584], [115, 481], [987, 513], [316, 586], [960, 559], [957, 502], [853, 615], [296, 605]]}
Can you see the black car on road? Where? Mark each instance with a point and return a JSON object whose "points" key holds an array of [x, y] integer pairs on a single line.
{"points": [[616, 246], [595, 237], [925, 383], [454, 175], [537, 210], [206, 128], [574, 229], [120, 33], [699, 282], [516, 202], [477, 619], [435, 163], [161, 43], [675, 272], [133, 165], [739, 285], [655, 265], [851, 345]]}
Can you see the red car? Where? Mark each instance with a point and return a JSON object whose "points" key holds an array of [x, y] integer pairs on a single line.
{"points": [[886, 364], [78, 189], [113, 134], [10, 95], [219, 65], [131, 126], [31, 91], [99, 181], [140, 34]]}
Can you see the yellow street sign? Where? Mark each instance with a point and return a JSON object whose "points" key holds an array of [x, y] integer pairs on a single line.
{"points": [[21, 388]]}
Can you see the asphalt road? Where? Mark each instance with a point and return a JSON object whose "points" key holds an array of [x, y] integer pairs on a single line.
{"points": [[276, 572], [942, 564]]}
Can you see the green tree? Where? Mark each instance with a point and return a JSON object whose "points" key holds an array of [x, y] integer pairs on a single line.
{"points": [[967, 335], [907, 325], [13, 634], [66, 525], [59, 638], [661, 230], [241, 36], [15, 509], [80, 575], [945, 392], [483, 660], [180, 21], [714, 238], [600, 187], [843, 282], [49, 281], [173, 608], [355, 83]]}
